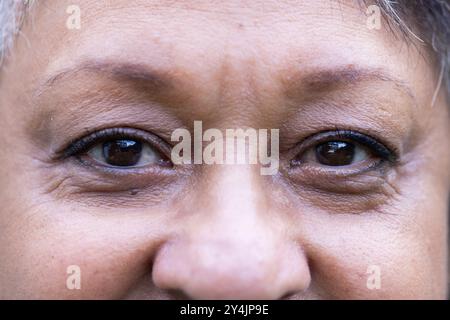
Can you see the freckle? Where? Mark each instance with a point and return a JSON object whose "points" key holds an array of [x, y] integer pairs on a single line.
{"points": [[133, 192]]}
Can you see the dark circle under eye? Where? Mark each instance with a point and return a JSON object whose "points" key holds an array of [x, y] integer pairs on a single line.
{"points": [[122, 152], [335, 153]]}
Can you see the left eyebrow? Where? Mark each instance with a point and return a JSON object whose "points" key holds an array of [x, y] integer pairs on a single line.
{"points": [[135, 73], [323, 80]]}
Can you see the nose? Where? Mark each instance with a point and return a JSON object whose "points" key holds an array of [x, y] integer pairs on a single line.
{"points": [[234, 245]]}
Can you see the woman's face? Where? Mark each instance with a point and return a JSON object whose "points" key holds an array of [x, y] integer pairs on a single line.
{"points": [[93, 207]]}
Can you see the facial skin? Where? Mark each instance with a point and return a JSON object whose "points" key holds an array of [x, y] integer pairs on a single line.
{"points": [[221, 231]]}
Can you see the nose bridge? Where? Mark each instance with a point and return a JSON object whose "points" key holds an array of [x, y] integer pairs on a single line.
{"points": [[234, 249], [235, 192], [238, 77], [235, 217]]}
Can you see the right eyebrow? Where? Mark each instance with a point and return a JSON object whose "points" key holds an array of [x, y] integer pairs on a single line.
{"points": [[323, 80], [137, 73]]}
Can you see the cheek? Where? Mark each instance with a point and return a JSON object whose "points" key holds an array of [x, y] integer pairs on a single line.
{"points": [[108, 251], [391, 254]]}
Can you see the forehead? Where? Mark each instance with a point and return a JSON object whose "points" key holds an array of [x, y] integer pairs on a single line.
{"points": [[202, 35], [206, 46], [215, 50]]}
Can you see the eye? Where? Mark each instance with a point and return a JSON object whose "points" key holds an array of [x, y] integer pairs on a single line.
{"points": [[342, 149], [124, 153], [122, 148], [339, 153]]}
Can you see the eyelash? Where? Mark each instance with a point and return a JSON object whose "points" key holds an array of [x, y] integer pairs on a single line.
{"points": [[379, 149], [83, 144]]}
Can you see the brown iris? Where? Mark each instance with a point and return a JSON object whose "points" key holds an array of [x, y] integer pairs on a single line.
{"points": [[335, 153], [122, 152]]}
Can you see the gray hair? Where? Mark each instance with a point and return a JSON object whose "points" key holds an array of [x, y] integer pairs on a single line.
{"points": [[426, 20], [11, 17]]}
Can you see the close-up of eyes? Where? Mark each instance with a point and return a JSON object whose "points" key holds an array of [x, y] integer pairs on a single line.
{"points": [[343, 149], [126, 148], [224, 150], [120, 148]]}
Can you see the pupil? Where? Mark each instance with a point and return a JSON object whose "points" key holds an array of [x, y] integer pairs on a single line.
{"points": [[335, 153], [122, 152]]}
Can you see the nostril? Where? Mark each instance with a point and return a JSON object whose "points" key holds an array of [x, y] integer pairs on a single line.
{"points": [[215, 267], [177, 295], [289, 295]]}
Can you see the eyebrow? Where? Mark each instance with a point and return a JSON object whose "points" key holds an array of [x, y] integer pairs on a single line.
{"points": [[317, 80], [323, 80], [153, 79]]}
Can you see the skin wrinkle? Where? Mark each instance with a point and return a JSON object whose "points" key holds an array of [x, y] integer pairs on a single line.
{"points": [[88, 102], [394, 135], [220, 231], [139, 113], [72, 186]]}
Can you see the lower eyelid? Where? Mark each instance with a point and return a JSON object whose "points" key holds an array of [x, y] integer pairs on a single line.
{"points": [[92, 171], [369, 179], [361, 167], [112, 188]]}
